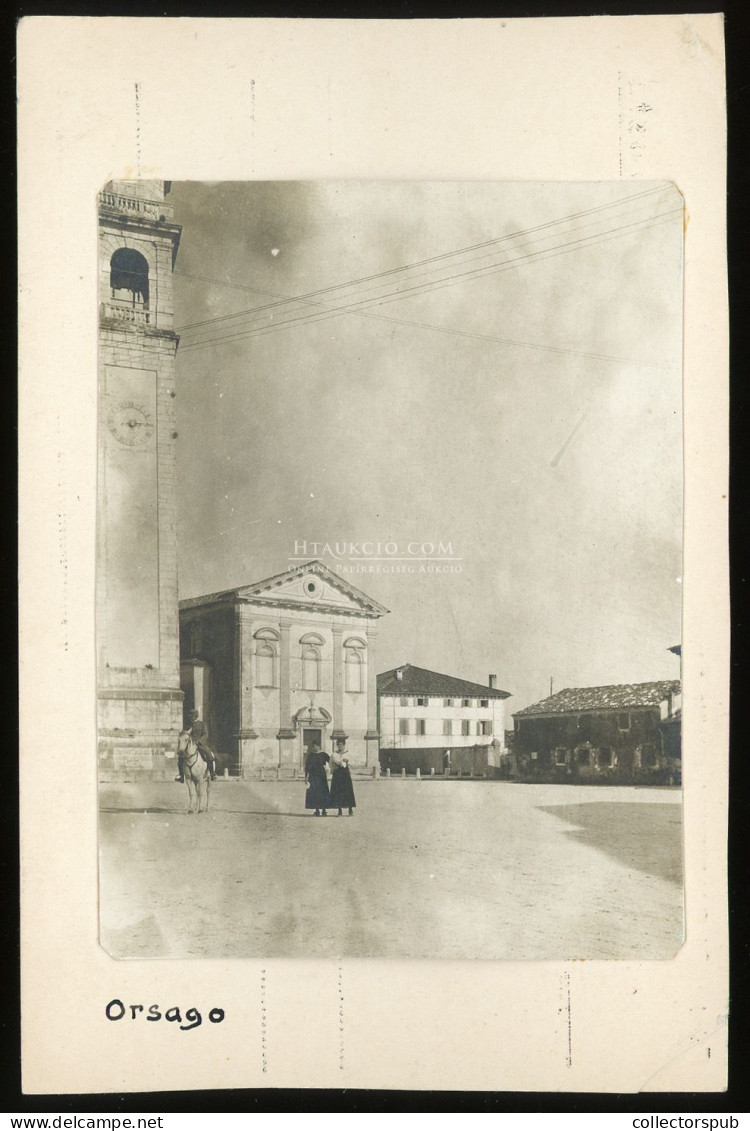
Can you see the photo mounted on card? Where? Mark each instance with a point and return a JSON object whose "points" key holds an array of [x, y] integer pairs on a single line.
{"points": [[389, 569], [373, 444]]}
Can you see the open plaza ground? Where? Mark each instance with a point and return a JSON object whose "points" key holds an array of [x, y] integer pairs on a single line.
{"points": [[424, 869]]}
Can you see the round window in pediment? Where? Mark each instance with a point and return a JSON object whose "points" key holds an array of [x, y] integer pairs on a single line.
{"points": [[311, 586]]}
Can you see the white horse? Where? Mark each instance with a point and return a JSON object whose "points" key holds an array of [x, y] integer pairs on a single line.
{"points": [[196, 771]]}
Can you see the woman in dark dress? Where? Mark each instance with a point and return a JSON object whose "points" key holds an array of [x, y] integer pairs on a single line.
{"points": [[316, 796], [342, 790]]}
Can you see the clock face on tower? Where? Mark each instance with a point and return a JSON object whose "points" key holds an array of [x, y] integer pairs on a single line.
{"points": [[131, 424]]}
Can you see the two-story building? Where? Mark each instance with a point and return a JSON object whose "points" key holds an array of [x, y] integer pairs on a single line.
{"points": [[277, 664], [614, 733], [438, 722]]}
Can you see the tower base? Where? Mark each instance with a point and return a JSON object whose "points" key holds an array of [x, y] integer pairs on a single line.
{"points": [[138, 734]]}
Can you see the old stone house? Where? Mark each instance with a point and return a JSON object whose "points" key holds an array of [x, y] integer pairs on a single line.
{"points": [[615, 733]]}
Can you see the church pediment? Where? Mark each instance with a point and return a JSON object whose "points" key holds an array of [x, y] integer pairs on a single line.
{"points": [[315, 586]]}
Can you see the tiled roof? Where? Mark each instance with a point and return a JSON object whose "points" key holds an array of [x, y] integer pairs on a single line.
{"points": [[421, 681], [613, 697]]}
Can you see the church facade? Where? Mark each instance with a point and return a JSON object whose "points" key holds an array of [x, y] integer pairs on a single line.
{"points": [[278, 664]]}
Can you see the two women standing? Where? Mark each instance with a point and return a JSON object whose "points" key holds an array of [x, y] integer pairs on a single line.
{"points": [[341, 792]]}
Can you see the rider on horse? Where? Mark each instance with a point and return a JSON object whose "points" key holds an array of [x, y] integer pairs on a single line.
{"points": [[199, 733]]}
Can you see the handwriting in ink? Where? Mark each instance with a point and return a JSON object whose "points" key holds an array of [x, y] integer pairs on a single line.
{"points": [[116, 1011]]}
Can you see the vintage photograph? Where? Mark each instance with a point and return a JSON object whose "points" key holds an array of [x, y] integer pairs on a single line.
{"points": [[389, 567]]}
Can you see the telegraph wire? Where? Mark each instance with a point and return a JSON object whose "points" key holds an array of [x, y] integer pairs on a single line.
{"points": [[354, 307], [359, 294], [539, 256], [286, 300], [479, 272]]}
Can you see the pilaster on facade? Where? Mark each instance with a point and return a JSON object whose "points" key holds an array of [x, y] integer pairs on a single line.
{"points": [[286, 730], [338, 684], [372, 737], [243, 674], [244, 670], [372, 686]]}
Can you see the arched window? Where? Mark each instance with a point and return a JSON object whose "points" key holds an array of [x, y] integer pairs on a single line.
{"points": [[353, 669], [128, 276], [310, 667], [265, 658], [354, 663], [266, 643]]}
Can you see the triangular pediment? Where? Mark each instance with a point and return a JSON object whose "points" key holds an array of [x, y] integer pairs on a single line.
{"points": [[312, 585]]}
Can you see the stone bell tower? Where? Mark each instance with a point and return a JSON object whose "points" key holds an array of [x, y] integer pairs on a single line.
{"points": [[139, 697]]}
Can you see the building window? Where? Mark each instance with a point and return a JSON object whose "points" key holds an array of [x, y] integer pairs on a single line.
{"points": [[423, 702], [605, 757], [266, 645], [311, 587], [403, 701], [484, 702], [353, 667], [265, 657], [649, 756], [467, 702], [403, 726], [310, 667], [447, 726], [465, 726], [484, 727], [421, 726], [128, 276], [583, 756], [355, 651], [623, 721], [447, 702], [561, 756], [196, 639]]}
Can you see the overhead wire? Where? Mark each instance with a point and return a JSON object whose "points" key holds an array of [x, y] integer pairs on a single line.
{"points": [[284, 300], [355, 307], [238, 333]]}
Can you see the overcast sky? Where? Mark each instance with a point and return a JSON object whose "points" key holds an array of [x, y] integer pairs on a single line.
{"points": [[532, 420]]}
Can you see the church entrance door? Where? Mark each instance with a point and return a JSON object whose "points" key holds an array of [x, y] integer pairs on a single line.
{"points": [[311, 734], [311, 724]]}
